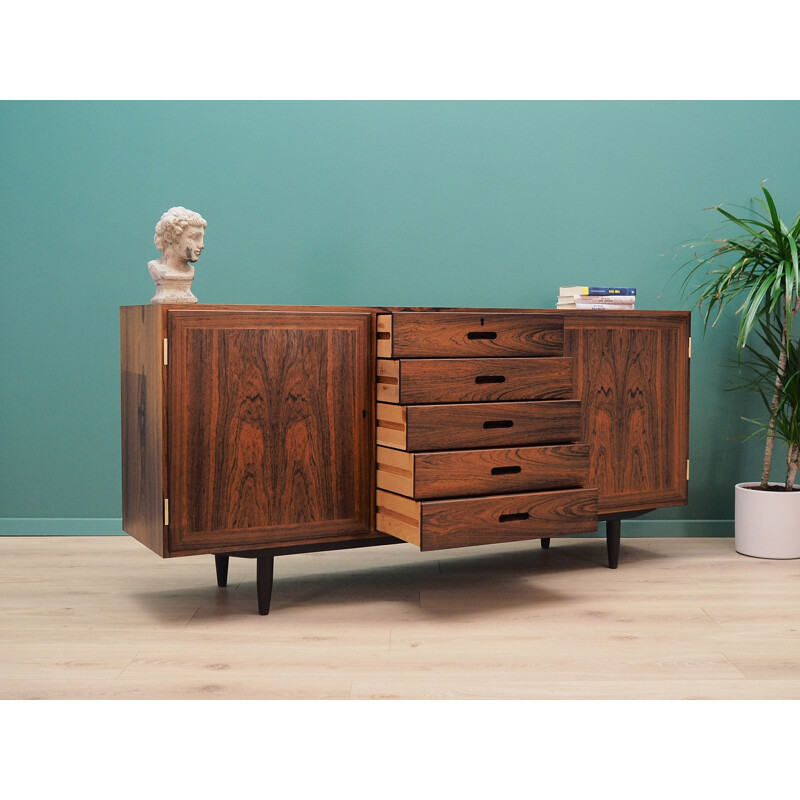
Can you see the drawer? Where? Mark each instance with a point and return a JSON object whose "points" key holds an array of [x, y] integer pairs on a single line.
{"points": [[455, 380], [470, 425], [465, 473], [443, 334], [440, 524]]}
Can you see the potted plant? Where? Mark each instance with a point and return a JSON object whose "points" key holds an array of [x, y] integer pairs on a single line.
{"points": [[757, 268]]}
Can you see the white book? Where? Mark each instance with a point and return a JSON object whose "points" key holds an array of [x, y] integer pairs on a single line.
{"points": [[604, 306], [612, 299]]}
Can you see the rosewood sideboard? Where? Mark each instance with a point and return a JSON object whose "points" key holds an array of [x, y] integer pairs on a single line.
{"points": [[259, 431]]}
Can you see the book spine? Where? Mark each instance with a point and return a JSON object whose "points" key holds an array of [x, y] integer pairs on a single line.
{"points": [[611, 299], [629, 291], [605, 306]]}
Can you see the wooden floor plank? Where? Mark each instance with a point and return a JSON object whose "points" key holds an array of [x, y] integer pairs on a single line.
{"points": [[103, 618]]}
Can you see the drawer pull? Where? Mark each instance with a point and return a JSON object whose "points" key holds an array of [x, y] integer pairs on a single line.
{"points": [[490, 379], [481, 335], [514, 517], [506, 470], [498, 423]]}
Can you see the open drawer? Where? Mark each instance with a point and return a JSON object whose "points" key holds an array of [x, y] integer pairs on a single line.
{"points": [[471, 473], [441, 524], [460, 426], [446, 334], [469, 380]]}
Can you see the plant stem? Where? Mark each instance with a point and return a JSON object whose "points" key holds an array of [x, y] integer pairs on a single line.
{"points": [[794, 465], [776, 398]]}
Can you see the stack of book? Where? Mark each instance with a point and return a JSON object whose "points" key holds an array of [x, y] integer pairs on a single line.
{"points": [[611, 298]]}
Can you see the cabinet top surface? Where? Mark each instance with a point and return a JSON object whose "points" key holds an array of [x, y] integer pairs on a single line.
{"points": [[640, 313]]}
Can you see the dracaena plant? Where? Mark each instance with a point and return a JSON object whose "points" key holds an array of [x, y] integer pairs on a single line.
{"points": [[757, 269], [758, 368]]}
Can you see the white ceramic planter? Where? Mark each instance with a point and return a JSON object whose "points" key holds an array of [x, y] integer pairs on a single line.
{"points": [[767, 523]]}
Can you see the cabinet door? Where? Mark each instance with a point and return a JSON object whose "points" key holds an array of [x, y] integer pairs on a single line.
{"points": [[270, 428], [632, 377]]}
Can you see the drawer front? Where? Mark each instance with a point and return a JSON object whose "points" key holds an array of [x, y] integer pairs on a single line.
{"points": [[463, 473], [440, 524], [455, 380], [438, 334], [470, 425]]}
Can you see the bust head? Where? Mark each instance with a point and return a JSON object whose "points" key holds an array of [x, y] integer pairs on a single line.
{"points": [[179, 237], [181, 232]]}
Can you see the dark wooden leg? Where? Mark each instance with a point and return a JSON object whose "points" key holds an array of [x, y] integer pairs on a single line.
{"points": [[613, 528], [545, 543], [222, 569], [264, 568]]}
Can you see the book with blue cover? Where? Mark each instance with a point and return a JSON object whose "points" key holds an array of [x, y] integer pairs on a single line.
{"points": [[578, 291]]}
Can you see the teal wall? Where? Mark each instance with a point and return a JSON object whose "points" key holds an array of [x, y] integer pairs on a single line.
{"points": [[423, 203]]}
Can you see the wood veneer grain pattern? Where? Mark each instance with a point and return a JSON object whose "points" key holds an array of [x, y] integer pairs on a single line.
{"points": [[633, 379], [472, 425], [475, 472], [507, 518], [272, 428], [408, 334], [143, 424], [463, 473], [457, 380], [464, 522]]}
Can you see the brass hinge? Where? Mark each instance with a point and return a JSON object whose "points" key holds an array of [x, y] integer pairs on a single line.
{"points": [[690, 346], [166, 511], [165, 353], [687, 469]]}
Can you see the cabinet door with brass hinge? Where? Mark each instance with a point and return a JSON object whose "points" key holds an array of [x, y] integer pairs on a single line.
{"points": [[270, 427], [632, 376]]}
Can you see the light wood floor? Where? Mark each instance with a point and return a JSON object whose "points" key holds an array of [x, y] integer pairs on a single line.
{"points": [[103, 617]]}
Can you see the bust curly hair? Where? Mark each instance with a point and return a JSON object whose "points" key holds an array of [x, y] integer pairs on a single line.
{"points": [[173, 223]]}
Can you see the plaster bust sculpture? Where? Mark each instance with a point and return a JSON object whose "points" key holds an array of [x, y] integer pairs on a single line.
{"points": [[179, 238]]}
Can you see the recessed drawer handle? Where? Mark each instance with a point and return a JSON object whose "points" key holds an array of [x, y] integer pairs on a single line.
{"points": [[513, 517], [506, 470], [490, 379], [498, 423], [481, 335]]}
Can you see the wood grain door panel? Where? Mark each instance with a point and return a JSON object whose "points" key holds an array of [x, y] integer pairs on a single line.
{"points": [[632, 376], [270, 427]]}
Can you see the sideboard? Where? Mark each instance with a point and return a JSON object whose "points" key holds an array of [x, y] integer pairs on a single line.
{"points": [[258, 431]]}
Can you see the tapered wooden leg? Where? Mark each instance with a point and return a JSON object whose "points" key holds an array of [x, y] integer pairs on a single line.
{"points": [[613, 528], [545, 543], [264, 571], [221, 563]]}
